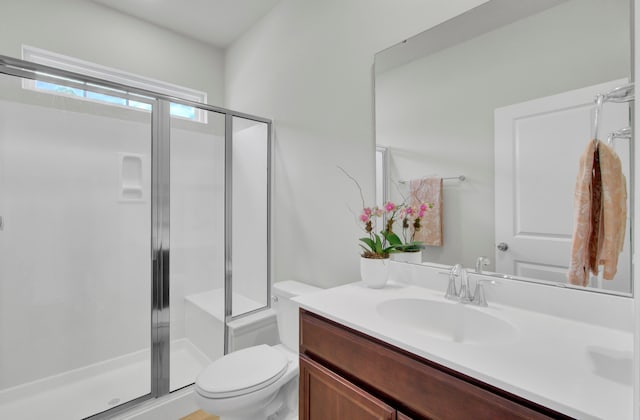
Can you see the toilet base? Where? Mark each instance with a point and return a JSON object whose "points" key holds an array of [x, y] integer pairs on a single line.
{"points": [[283, 406], [279, 401]]}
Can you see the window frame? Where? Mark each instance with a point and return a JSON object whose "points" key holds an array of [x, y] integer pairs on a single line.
{"points": [[72, 64]]}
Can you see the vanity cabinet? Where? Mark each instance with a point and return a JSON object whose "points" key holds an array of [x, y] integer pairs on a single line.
{"points": [[345, 374]]}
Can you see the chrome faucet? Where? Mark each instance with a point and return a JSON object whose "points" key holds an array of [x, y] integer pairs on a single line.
{"points": [[481, 262], [463, 295]]}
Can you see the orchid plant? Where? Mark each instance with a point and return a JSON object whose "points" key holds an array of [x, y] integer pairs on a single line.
{"points": [[410, 217], [379, 246]]}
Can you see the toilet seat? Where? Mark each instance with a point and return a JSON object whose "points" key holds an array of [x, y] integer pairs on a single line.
{"points": [[242, 372]]}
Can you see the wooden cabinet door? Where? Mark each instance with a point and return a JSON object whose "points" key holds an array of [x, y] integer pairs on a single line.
{"points": [[327, 396]]}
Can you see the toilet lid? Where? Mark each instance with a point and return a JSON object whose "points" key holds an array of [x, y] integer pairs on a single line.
{"points": [[242, 372]]}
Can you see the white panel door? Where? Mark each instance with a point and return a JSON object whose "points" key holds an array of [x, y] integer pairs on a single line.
{"points": [[538, 144]]}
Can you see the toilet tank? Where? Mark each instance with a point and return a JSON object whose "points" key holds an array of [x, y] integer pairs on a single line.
{"points": [[287, 310]]}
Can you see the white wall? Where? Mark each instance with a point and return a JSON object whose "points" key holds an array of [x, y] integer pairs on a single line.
{"points": [[436, 113], [92, 32], [308, 65]]}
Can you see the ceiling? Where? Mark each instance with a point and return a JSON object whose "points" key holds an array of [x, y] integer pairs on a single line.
{"points": [[216, 22]]}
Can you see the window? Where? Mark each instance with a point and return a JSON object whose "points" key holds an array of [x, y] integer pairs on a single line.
{"points": [[48, 58]]}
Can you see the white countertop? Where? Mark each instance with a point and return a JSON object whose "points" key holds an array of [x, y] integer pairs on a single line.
{"points": [[582, 370]]}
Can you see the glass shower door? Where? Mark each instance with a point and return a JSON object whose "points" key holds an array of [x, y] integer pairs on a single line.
{"points": [[216, 161], [250, 219], [75, 260], [197, 190]]}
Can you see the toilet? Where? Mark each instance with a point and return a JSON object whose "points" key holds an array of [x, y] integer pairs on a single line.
{"points": [[259, 382]]}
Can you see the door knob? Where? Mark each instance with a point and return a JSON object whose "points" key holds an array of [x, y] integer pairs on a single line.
{"points": [[502, 246]]}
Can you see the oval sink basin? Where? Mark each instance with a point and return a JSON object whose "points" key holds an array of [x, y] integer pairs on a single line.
{"points": [[450, 321]]}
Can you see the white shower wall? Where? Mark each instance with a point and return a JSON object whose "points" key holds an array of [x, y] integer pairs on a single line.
{"points": [[74, 260], [75, 267]]}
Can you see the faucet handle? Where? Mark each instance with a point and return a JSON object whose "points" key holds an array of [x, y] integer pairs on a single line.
{"points": [[482, 262], [452, 292], [479, 298], [478, 295]]}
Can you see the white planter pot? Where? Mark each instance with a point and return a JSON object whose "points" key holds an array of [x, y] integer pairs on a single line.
{"points": [[374, 272], [407, 257]]}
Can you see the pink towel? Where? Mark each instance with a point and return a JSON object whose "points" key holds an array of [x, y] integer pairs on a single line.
{"points": [[428, 190], [600, 214], [614, 211], [584, 243]]}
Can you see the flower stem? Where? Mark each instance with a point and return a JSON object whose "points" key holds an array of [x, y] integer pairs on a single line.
{"points": [[355, 182]]}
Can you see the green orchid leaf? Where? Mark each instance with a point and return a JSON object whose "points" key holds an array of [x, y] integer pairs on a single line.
{"points": [[392, 238], [378, 249], [370, 243]]}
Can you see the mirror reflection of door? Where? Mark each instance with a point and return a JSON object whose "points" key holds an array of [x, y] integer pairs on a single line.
{"points": [[534, 207]]}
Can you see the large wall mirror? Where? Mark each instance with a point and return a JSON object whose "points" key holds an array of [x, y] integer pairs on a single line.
{"points": [[503, 96]]}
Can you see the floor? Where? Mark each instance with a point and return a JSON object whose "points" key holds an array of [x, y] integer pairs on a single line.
{"points": [[90, 390], [200, 415]]}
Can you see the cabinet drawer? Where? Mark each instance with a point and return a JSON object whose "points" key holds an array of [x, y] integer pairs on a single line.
{"points": [[408, 382]]}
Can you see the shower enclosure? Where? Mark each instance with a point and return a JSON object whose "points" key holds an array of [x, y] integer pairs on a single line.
{"points": [[120, 211]]}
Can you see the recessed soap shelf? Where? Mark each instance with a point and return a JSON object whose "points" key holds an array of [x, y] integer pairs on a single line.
{"points": [[131, 187]]}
